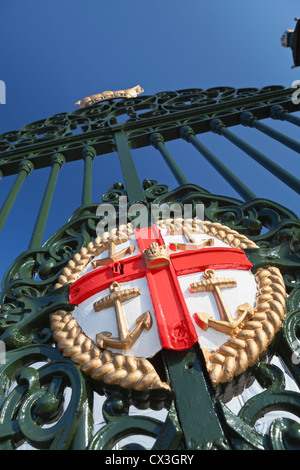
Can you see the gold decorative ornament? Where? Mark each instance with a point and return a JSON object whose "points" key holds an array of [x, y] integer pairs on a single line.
{"points": [[243, 349], [191, 242], [227, 324], [156, 256], [126, 338], [249, 334], [110, 245], [109, 95]]}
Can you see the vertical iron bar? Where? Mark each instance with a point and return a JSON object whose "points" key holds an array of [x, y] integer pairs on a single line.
{"points": [[89, 155], [57, 162], [133, 186], [157, 141], [219, 127], [278, 112], [25, 169], [188, 134], [196, 411], [248, 119]]}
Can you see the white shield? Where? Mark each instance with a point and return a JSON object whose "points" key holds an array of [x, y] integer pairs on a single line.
{"points": [[148, 343]]}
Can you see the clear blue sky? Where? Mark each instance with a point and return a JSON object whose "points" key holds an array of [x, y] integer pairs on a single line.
{"points": [[54, 52]]}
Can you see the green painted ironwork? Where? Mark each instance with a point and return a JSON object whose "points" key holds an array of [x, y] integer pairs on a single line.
{"points": [[278, 112], [157, 141], [89, 155], [248, 119], [188, 133], [25, 167], [45, 400], [219, 127], [133, 186], [185, 370], [39, 228]]}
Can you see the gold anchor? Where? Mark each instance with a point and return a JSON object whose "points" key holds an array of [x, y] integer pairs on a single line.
{"points": [[227, 324], [191, 242], [110, 245], [126, 338]]}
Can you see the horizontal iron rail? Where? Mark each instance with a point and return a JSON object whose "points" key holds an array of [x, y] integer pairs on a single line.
{"points": [[168, 126]]}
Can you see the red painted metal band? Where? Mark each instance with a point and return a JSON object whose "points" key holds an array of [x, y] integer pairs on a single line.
{"points": [[193, 261], [174, 322], [147, 235], [101, 278]]}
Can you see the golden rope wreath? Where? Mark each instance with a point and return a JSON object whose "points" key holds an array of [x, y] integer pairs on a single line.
{"points": [[231, 359]]}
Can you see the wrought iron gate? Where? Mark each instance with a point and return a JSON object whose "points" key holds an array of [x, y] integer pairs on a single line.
{"points": [[46, 400]]}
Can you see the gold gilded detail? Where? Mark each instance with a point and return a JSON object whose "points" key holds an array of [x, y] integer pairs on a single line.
{"points": [[227, 324], [244, 349], [110, 245], [191, 242], [126, 338], [109, 95], [156, 256]]}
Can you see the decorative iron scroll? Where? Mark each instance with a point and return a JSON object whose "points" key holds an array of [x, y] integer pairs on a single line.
{"points": [[163, 112], [36, 377]]}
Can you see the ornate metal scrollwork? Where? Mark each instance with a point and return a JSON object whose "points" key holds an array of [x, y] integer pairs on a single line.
{"points": [[65, 131], [39, 394]]}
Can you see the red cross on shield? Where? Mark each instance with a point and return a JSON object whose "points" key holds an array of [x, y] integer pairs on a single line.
{"points": [[175, 323]]}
